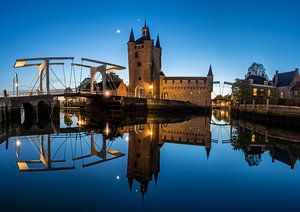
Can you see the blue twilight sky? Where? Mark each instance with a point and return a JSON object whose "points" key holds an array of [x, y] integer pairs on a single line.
{"points": [[229, 34]]}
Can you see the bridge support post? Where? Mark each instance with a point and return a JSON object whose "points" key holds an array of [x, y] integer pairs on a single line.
{"points": [[47, 77], [103, 72], [41, 72]]}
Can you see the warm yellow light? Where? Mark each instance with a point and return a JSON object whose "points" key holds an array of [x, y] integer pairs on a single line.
{"points": [[253, 138], [150, 87], [106, 93], [20, 64], [106, 130], [150, 133], [254, 91]]}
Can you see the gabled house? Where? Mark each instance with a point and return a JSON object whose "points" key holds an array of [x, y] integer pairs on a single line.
{"points": [[287, 84], [260, 86]]}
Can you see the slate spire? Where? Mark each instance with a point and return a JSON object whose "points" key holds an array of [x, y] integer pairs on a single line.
{"points": [[131, 38], [210, 73], [157, 42]]}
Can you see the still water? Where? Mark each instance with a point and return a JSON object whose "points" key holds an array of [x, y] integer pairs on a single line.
{"points": [[149, 163]]}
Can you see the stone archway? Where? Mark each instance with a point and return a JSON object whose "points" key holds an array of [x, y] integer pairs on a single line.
{"points": [[140, 91], [165, 95], [27, 115], [42, 114]]}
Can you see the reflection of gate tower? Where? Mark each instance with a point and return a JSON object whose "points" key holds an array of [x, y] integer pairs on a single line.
{"points": [[143, 155], [144, 60]]}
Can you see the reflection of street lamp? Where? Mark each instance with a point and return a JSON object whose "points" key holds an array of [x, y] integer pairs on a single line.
{"points": [[17, 145]]}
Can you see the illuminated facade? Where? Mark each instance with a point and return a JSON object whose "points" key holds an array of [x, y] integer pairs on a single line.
{"points": [[147, 80]]}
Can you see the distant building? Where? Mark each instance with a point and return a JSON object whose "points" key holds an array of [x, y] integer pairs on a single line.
{"points": [[260, 86], [287, 84], [115, 87], [147, 80]]}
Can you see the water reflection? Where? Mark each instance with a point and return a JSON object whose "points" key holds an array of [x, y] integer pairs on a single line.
{"points": [[81, 142], [254, 140]]}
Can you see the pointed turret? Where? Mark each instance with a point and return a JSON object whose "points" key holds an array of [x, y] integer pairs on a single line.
{"points": [[130, 182], [131, 38], [146, 32], [210, 73], [207, 152], [157, 42], [156, 177]]}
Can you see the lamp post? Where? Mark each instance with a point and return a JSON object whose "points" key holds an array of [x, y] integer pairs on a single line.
{"points": [[16, 85]]}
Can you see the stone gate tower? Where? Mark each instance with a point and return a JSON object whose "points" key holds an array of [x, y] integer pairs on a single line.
{"points": [[144, 60]]}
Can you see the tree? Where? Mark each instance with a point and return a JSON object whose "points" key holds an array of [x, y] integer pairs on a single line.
{"points": [[257, 69], [241, 90]]}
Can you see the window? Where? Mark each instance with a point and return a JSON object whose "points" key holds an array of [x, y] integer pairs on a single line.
{"points": [[189, 81], [136, 55], [139, 64], [196, 81], [262, 91], [173, 81], [254, 91], [269, 93], [140, 78], [180, 81]]}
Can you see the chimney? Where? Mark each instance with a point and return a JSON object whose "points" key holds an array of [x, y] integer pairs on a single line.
{"points": [[276, 78]]}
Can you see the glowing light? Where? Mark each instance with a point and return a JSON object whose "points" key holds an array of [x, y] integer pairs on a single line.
{"points": [[118, 178], [118, 31], [18, 143], [150, 87], [106, 130], [253, 138], [127, 138], [16, 84], [150, 133], [106, 93]]}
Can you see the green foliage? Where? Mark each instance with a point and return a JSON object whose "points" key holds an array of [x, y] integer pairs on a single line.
{"points": [[257, 69], [241, 90]]}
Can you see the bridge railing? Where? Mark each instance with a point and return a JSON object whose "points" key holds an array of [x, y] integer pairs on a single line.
{"points": [[24, 93]]}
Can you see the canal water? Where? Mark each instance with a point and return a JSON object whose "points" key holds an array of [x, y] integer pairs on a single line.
{"points": [[149, 163]]}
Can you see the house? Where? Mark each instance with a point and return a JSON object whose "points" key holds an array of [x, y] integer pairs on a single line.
{"points": [[117, 87], [260, 86], [287, 84]]}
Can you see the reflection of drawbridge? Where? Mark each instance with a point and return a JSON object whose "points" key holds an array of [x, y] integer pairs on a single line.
{"points": [[104, 154], [45, 157], [221, 131], [47, 161]]}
